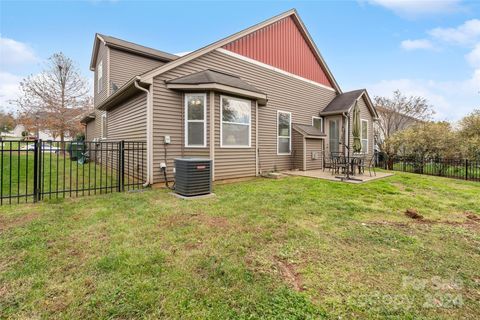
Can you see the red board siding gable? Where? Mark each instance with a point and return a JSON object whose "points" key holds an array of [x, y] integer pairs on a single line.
{"points": [[282, 46]]}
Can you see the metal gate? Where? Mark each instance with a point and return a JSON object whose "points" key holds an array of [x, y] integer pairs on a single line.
{"points": [[35, 170]]}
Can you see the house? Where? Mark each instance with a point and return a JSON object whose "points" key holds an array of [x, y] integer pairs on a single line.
{"points": [[20, 131], [259, 100]]}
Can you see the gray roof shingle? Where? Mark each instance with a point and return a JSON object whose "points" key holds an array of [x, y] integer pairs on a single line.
{"points": [[307, 130], [130, 46], [214, 76], [342, 102]]}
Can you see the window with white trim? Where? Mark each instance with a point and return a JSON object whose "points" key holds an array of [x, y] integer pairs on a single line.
{"points": [[104, 126], [317, 122], [236, 116], [364, 136], [100, 77], [195, 120], [284, 132]]}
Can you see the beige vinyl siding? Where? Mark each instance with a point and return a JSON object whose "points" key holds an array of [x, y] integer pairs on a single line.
{"points": [[298, 150], [285, 93], [128, 121], [102, 55], [98, 123], [366, 115], [90, 131], [125, 65], [314, 145]]}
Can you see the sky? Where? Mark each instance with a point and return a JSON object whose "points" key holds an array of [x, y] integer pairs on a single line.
{"points": [[425, 48]]}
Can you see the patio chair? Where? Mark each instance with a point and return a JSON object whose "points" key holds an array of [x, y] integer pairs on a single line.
{"points": [[327, 162], [340, 165], [370, 165]]}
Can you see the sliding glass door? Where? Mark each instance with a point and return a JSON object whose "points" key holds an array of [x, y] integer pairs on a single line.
{"points": [[334, 135]]}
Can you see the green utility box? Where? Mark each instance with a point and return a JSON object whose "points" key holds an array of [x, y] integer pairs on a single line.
{"points": [[77, 150]]}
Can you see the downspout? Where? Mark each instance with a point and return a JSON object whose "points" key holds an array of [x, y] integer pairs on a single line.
{"points": [[149, 133]]}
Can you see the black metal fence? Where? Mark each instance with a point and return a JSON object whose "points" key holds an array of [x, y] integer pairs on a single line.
{"points": [[450, 168], [34, 170]]}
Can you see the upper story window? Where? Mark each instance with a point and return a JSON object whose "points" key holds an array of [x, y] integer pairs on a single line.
{"points": [[317, 122], [284, 132], [236, 117], [195, 120], [104, 126], [364, 136], [100, 77]]}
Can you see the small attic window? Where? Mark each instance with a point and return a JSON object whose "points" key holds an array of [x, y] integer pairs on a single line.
{"points": [[100, 77]]}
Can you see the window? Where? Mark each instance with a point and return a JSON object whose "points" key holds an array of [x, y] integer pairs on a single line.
{"points": [[364, 136], [284, 123], [317, 122], [104, 126], [236, 122], [100, 77], [195, 120]]}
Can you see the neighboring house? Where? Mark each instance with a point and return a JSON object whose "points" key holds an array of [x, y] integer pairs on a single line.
{"points": [[389, 122], [259, 100], [46, 135]]}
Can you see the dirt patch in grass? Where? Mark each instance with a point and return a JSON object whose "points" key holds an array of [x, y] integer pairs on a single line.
{"points": [[18, 221], [412, 213], [202, 218], [472, 216], [289, 274]]}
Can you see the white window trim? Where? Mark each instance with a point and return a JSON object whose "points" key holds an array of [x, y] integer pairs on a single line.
{"points": [[204, 95], [103, 129], [321, 121], [361, 139], [289, 132], [100, 77], [249, 123]]}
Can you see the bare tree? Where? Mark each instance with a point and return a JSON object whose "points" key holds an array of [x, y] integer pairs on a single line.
{"points": [[397, 113], [54, 99]]}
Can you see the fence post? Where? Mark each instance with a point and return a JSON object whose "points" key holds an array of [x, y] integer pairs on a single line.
{"points": [[121, 164], [37, 170], [466, 169]]}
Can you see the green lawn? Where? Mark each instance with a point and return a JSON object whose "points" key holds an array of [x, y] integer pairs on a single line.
{"points": [[294, 248], [60, 176]]}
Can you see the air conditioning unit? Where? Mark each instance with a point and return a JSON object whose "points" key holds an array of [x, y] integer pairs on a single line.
{"points": [[193, 176]]}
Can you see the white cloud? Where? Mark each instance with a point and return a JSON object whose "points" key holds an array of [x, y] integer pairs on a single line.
{"points": [[13, 52], [8, 89], [474, 56], [181, 54], [465, 34], [451, 99], [414, 8], [422, 44]]}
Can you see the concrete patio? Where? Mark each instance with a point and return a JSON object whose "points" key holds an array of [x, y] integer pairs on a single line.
{"points": [[327, 175]]}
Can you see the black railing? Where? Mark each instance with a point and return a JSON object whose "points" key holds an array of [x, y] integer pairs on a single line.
{"points": [[450, 168], [35, 170]]}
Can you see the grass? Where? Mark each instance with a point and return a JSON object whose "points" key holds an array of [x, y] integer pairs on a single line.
{"points": [[294, 248], [60, 175]]}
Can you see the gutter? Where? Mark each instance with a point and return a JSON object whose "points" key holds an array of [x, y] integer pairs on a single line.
{"points": [[149, 132]]}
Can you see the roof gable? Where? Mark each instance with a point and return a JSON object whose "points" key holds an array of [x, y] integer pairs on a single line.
{"points": [[344, 102], [148, 76], [128, 47], [283, 46]]}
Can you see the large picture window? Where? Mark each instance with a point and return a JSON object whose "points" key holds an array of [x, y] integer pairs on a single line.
{"points": [[195, 120], [284, 132], [236, 117], [364, 136]]}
